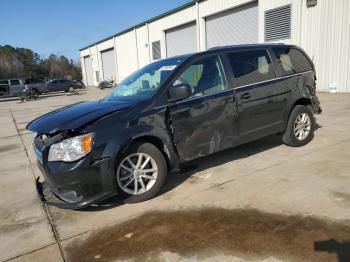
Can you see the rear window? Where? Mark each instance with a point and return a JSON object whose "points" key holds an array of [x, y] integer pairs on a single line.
{"points": [[250, 67], [291, 60]]}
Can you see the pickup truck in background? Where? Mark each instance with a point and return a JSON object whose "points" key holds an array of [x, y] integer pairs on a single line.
{"points": [[37, 85], [14, 86]]}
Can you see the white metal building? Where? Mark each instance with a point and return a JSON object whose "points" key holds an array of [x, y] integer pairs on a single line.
{"points": [[320, 27]]}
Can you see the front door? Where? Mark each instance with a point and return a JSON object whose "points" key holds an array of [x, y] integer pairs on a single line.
{"points": [[15, 87], [206, 122], [54, 86]]}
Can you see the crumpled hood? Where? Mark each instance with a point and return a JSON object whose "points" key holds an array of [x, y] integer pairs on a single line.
{"points": [[75, 116]]}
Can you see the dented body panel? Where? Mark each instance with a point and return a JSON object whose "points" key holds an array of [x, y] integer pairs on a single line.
{"points": [[182, 130]]}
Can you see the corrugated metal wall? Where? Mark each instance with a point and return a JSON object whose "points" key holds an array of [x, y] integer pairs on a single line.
{"points": [[323, 31], [181, 40], [108, 64], [232, 27], [88, 70], [325, 35]]}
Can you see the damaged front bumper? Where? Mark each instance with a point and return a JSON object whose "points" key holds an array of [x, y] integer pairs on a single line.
{"points": [[74, 185], [48, 197]]}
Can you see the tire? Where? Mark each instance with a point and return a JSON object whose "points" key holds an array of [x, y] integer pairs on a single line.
{"points": [[149, 183], [35, 94], [71, 89], [300, 127]]}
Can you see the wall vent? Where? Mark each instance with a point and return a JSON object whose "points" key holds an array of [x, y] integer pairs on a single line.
{"points": [[278, 23]]}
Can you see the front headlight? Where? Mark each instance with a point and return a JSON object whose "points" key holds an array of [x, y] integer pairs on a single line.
{"points": [[71, 149]]}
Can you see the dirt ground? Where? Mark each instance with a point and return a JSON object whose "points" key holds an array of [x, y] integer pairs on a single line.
{"points": [[244, 233]]}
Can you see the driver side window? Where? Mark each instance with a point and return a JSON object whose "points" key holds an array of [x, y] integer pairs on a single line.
{"points": [[204, 76]]}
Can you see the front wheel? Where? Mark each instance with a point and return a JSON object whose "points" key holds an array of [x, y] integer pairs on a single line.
{"points": [[70, 89], [300, 127], [141, 172]]}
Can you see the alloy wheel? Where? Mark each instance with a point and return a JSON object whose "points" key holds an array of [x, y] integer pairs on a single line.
{"points": [[302, 126], [137, 173]]}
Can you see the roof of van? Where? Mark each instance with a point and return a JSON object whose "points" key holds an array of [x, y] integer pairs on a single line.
{"points": [[233, 47], [244, 46]]}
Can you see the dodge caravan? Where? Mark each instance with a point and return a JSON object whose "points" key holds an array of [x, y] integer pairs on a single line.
{"points": [[169, 112]]}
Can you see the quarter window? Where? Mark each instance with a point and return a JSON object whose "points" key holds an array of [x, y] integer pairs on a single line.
{"points": [[291, 60], [250, 67], [205, 76]]}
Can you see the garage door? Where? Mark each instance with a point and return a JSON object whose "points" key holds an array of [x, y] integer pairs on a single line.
{"points": [[181, 40], [88, 70], [232, 27], [108, 64]]}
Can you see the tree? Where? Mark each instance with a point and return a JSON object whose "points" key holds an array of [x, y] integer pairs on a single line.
{"points": [[23, 62]]}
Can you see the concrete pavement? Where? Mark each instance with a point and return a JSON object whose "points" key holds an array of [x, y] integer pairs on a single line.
{"points": [[310, 183]]}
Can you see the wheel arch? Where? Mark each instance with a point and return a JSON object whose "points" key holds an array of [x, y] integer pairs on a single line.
{"points": [[157, 142], [303, 101]]}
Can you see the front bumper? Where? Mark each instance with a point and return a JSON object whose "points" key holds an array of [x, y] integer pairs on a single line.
{"points": [[78, 184], [48, 197]]}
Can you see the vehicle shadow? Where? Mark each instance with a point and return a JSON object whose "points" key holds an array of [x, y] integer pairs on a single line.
{"points": [[44, 96], [185, 171], [180, 174], [79, 92], [109, 203], [341, 248]]}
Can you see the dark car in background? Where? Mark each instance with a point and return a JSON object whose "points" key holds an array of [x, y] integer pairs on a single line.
{"points": [[57, 85], [79, 84], [170, 112]]}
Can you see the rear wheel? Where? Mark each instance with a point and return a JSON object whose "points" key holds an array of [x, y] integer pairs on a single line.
{"points": [[71, 89], [141, 172], [300, 128]]}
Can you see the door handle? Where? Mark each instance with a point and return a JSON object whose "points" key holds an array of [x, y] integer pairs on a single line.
{"points": [[246, 96]]}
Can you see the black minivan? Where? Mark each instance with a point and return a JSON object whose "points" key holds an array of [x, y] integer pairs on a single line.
{"points": [[171, 111]]}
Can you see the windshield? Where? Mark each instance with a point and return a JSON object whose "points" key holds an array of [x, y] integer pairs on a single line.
{"points": [[143, 83]]}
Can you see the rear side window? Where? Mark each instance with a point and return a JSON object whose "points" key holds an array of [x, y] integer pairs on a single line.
{"points": [[14, 82], [37, 81], [250, 67], [291, 60]]}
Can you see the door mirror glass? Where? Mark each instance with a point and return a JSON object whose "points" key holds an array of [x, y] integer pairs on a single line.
{"points": [[180, 91]]}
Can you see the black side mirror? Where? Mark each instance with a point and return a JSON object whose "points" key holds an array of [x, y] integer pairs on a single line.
{"points": [[180, 91]]}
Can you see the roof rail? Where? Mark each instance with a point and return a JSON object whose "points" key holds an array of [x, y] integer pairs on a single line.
{"points": [[215, 47]]}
